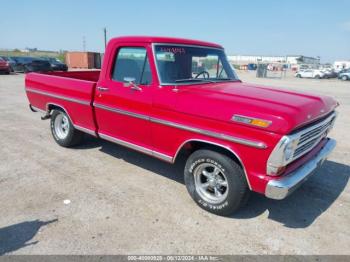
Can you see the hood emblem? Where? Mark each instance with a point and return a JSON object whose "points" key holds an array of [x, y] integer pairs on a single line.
{"points": [[309, 116], [322, 110]]}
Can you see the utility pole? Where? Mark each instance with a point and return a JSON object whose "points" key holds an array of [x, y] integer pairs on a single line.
{"points": [[105, 36], [84, 44]]}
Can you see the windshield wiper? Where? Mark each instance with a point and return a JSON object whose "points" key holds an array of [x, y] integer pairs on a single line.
{"points": [[226, 79], [193, 80]]}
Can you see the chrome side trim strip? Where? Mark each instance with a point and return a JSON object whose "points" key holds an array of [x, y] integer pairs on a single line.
{"points": [[237, 140], [210, 133], [144, 150], [121, 111], [167, 158], [66, 98], [85, 130], [164, 157], [126, 144]]}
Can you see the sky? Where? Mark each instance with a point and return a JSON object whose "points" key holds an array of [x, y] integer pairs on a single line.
{"points": [[250, 27]]}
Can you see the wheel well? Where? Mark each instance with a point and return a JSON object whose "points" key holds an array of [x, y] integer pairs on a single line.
{"points": [[190, 146], [51, 107]]}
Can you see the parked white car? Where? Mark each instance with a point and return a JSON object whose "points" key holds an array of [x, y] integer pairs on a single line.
{"points": [[310, 73]]}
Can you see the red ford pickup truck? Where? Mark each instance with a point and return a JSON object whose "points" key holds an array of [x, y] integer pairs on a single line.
{"points": [[166, 96]]}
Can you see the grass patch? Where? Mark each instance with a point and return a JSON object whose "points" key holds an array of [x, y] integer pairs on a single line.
{"points": [[60, 56]]}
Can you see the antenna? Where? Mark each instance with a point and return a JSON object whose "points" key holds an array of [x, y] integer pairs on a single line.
{"points": [[84, 44], [105, 36]]}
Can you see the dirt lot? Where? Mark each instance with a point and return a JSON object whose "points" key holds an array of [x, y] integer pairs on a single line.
{"points": [[101, 198]]}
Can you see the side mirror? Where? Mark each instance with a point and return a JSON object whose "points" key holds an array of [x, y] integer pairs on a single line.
{"points": [[130, 82]]}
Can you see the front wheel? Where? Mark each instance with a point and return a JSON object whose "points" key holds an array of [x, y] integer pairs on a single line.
{"points": [[63, 130], [215, 182], [344, 78]]}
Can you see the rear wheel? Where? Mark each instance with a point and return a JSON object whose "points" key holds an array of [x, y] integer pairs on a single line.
{"points": [[344, 78], [317, 76], [298, 76], [63, 130], [215, 182]]}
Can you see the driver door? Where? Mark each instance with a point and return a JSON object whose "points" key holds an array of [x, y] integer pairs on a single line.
{"points": [[123, 109]]}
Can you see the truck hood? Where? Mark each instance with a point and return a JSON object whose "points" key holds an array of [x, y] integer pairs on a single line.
{"points": [[286, 110]]}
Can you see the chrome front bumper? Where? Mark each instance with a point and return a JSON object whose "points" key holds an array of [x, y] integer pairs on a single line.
{"points": [[281, 188]]}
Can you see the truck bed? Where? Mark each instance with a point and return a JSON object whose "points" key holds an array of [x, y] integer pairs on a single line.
{"points": [[73, 91], [88, 75]]}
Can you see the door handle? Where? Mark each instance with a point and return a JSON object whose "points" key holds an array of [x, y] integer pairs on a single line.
{"points": [[102, 89]]}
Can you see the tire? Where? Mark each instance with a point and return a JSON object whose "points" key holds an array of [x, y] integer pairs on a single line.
{"points": [[200, 171], [317, 77], [63, 130], [344, 78], [298, 76]]}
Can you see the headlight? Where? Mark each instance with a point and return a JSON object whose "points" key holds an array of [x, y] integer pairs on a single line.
{"points": [[288, 152], [282, 155]]}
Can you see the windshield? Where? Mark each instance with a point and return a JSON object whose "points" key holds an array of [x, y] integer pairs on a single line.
{"points": [[178, 64]]}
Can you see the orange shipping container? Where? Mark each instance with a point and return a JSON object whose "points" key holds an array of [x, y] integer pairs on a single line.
{"points": [[85, 60]]}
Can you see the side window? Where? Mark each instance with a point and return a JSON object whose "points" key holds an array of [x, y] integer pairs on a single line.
{"points": [[132, 63]]}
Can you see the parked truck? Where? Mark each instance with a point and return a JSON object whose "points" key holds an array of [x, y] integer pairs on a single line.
{"points": [[168, 96]]}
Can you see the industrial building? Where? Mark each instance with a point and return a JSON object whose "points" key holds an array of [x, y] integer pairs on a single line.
{"points": [[291, 60], [340, 65]]}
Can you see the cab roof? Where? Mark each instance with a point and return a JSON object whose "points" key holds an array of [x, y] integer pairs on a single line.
{"points": [[165, 40]]}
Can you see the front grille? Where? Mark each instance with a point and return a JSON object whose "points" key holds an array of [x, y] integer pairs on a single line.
{"points": [[312, 135]]}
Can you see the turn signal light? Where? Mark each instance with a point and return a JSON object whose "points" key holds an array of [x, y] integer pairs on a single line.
{"points": [[259, 122], [251, 121]]}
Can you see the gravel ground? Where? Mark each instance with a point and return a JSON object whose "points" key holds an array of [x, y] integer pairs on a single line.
{"points": [[101, 198]]}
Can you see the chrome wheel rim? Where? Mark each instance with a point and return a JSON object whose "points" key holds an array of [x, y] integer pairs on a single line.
{"points": [[211, 183], [61, 126]]}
